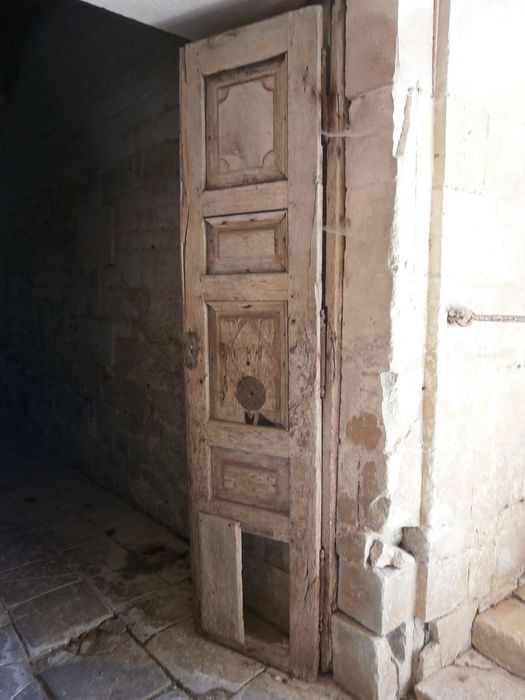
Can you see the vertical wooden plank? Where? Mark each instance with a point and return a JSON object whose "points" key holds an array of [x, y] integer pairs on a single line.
{"points": [[333, 302], [305, 223], [193, 267], [221, 574]]}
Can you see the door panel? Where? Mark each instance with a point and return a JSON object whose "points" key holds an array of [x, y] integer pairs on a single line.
{"points": [[248, 362], [246, 124], [220, 551], [252, 478], [247, 243], [251, 249]]}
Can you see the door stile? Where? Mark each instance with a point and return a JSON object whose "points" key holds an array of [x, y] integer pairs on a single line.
{"points": [[335, 122], [305, 174], [193, 260]]}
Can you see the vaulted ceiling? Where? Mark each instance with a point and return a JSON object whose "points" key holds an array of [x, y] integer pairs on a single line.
{"points": [[194, 19]]}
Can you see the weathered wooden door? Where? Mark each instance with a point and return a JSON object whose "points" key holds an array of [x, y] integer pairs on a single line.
{"points": [[251, 223]]}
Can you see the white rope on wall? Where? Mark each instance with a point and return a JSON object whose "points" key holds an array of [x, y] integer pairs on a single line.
{"points": [[464, 317]]}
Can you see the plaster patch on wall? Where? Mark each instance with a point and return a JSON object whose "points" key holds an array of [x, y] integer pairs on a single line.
{"points": [[364, 431]]}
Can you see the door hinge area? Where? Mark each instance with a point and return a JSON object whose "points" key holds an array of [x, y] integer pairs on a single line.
{"points": [[191, 350], [321, 592], [323, 331]]}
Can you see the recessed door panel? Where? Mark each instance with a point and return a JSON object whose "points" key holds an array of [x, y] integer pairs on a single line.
{"points": [[253, 479], [246, 124], [248, 362], [247, 243]]}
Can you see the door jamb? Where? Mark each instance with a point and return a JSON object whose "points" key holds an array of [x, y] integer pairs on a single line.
{"points": [[334, 243]]}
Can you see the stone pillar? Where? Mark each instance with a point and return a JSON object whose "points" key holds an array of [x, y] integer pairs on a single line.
{"points": [[388, 176]]}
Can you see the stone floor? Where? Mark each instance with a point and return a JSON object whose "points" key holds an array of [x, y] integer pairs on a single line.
{"points": [[495, 669], [472, 677], [95, 598]]}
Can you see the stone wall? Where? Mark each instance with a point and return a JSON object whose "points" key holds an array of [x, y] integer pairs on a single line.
{"points": [[472, 544], [90, 287], [388, 177], [431, 511]]}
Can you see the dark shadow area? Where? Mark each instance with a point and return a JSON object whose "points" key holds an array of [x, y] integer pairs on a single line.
{"points": [[90, 287]]}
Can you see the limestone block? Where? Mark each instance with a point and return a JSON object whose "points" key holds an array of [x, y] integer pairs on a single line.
{"points": [[418, 642], [416, 541], [401, 398], [473, 74], [369, 151], [371, 36], [490, 494], [429, 661], [482, 557], [483, 214], [346, 498], [363, 663], [401, 643], [372, 213], [500, 587], [375, 501], [404, 470], [383, 554], [371, 158], [454, 683], [380, 599], [354, 545], [371, 112], [414, 61], [451, 493], [510, 546], [473, 659], [505, 154], [467, 134], [453, 632], [499, 633], [442, 586], [368, 322]]}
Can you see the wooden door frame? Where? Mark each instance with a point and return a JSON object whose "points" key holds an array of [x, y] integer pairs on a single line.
{"points": [[334, 124]]}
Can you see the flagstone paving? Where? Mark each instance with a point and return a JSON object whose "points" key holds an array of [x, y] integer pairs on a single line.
{"points": [[96, 599]]}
